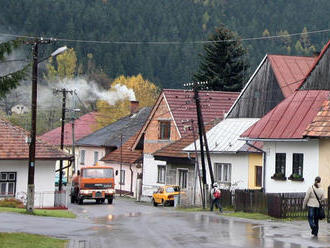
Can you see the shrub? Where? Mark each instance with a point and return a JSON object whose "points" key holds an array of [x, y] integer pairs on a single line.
{"points": [[11, 203]]}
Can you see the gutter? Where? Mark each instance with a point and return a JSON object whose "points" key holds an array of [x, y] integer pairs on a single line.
{"points": [[264, 164]]}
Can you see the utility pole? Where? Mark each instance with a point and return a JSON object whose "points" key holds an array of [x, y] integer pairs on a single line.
{"points": [[121, 162], [64, 93], [202, 138], [197, 172], [32, 146]]}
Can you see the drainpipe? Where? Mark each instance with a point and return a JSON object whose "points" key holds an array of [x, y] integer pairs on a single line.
{"points": [[264, 163], [130, 168]]}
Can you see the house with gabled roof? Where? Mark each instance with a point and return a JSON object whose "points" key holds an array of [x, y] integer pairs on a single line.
{"points": [[168, 122], [111, 145], [276, 78], [83, 126], [292, 159], [295, 150], [14, 157]]}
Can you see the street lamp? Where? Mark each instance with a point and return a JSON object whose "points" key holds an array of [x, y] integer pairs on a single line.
{"points": [[32, 146]]}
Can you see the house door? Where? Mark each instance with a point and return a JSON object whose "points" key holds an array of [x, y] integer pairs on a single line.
{"points": [[258, 176]]}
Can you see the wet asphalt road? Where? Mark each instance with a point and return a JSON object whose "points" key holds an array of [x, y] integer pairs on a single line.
{"points": [[130, 224]]}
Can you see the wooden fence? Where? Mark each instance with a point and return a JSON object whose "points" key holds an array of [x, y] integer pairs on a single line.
{"points": [[278, 205]]}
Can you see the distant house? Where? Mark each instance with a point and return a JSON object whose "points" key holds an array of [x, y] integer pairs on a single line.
{"points": [[168, 122], [83, 126], [14, 156], [20, 109], [276, 78], [103, 146]]}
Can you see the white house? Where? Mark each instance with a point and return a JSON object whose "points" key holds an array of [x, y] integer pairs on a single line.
{"points": [[14, 154], [235, 165]]}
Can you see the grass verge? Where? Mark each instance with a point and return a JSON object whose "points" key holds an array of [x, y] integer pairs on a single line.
{"points": [[42, 212], [24, 240]]}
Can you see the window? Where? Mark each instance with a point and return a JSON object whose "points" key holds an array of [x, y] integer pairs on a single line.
{"points": [[183, 178], [96, 157], [258, 176], [82, 157], [297, 164], [280, 164], [161, 174], [7, 183], [164, 130], [122, 177], [223, 172]]}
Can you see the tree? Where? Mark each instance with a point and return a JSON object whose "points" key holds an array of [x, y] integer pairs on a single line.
{"points": [[11, 80], [66, 65], [145, 92], [223, 64]]}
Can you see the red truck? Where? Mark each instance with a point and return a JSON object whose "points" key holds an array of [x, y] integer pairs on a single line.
{"points": [[93, 182]]}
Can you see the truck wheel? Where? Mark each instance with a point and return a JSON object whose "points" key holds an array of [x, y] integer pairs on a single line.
{"points": [[110, 200], [154, 203], [102, 201], [80, 201], [73, 200]]}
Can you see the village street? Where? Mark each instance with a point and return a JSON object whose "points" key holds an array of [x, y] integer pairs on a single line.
{"points": [[130, 224]]}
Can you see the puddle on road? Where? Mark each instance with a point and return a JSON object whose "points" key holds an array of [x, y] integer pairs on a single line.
{"points": [[110, 218]]}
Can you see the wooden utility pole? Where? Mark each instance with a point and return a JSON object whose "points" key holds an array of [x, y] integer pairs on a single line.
{"points": [[64, 93], [32, 145]]}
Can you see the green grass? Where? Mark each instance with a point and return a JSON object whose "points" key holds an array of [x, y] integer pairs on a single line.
{"points": [[42, 212], [254, 216], [24, 240], [199, 209]]}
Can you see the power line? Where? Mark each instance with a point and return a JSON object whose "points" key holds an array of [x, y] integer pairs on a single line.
{"points": [[167, 42]]}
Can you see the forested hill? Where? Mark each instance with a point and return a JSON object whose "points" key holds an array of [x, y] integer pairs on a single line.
{"points": [[169, 65]]}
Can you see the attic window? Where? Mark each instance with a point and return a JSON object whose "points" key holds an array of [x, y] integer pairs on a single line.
{"points": [[164, 130]]}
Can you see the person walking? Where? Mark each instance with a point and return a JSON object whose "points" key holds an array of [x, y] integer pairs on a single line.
{"points": [[313, 197], [215, 197]]}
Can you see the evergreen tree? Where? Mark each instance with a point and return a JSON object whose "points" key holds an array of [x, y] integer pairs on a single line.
{"points": [[11, 80], [223, 63]]}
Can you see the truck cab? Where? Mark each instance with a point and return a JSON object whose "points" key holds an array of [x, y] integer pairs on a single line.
{"points": [[93, 182]]}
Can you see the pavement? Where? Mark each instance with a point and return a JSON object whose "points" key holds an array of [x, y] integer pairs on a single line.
{"points": [[130, 224]]}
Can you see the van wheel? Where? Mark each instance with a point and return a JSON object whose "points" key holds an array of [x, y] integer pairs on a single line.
{"points": [[154, 203]]}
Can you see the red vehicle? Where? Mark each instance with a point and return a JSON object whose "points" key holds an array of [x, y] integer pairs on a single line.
{"points": [[93, 182]]}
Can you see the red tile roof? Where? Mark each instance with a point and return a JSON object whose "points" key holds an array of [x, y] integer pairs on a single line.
{"points": [[13, 145], [126, 155], [320, 126], [316, 61], [290, 71], [290, 118], [84, 126], [182, 105]]}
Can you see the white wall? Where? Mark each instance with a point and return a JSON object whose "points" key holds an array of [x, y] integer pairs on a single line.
{"points": [[150, 174], [239, 168], [310, 149], [44, 179], [128, 175], [89, 155]]}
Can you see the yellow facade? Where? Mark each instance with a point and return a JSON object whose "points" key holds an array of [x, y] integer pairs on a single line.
{"points": [[255, 159], [324, 164]]}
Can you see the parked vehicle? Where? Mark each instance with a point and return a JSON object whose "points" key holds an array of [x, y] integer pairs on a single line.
{"points": [[93, 182], [165, 195]]}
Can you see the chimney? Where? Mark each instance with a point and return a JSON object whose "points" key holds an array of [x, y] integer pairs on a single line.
{"points": [[134, 106]]}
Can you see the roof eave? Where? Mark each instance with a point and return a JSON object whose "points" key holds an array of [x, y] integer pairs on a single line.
{"points": [[275, 139]]}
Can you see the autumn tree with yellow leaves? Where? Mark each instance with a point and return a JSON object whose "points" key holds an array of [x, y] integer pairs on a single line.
{"points": [[145, 91]]}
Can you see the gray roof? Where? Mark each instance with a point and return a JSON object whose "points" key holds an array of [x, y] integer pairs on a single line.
{"points": [[109, 136]]}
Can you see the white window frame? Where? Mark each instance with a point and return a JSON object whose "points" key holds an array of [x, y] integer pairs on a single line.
{"points": [[82, 157], [122, 177], [96, 157], [178, 170], [161, 178], [223, 177], [7, 181]]}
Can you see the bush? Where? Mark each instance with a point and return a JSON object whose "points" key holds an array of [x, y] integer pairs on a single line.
{"points": [[11, 203]]}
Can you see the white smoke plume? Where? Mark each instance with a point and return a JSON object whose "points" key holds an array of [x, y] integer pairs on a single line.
{"points": [[89, 91]]}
